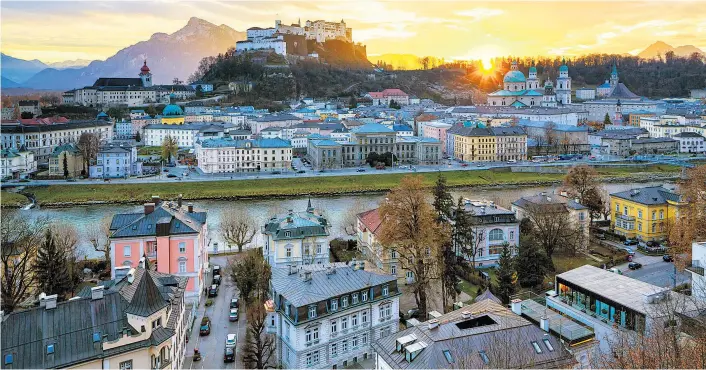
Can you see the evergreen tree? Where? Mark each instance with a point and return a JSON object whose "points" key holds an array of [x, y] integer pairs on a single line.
{"points": [[442, 199], [506, 275], [66, 165], [450, 277], [138, 137], [531, 263], [51, 268], [352, 102], [606, 120], [394, 105]]}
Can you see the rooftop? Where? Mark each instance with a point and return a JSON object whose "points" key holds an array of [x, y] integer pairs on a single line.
{"points": [[649, 195], [227, 142]]}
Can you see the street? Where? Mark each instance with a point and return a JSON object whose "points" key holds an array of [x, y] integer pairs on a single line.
{"points": [[655, 271], [212, 346]]}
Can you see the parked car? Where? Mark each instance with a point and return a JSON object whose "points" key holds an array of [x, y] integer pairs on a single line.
{"points": [[464, 164], [171, 175], [629, 251], [301, 171], [233, 315], [217, 280], [615, 271], [479, 165], [630, 242], [205, 328], [667, 258], [275, 172], [600, 236], [234, 303], [231, 340], [213, 291], [216, 270], [229, 355], [71, 180], [360, 170], [512, 161], [634, 265]]}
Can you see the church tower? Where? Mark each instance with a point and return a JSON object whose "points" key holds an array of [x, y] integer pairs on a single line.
{"points": [[145, 75], [614, 76], [618, 118], [563, 84], [532, 80]]}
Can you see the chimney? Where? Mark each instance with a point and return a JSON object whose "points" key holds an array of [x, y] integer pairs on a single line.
{"points": [[131, 275], [354, 265], [149, 208], [191, 207], [433, 324], [155, 199], [466, 314], [544, 323], [307, 275], [42, 297], [516, 306], [50, 301], [179, 201], [292, 269], [361, 265], [97, 293]]}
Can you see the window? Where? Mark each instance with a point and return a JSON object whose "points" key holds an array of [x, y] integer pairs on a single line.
{"points": [[312, 311], [582, 216], [661, 214], [625, 210], [654, 215], [344, 346], [308, 335], [127, 251], [334, 326], [287, 234], [393, 253], [334, 349], [364, 296], [639, 226], [307, 251], [96, 337], [354, 342], [639, 214], [289, 251], [344, 323], [512, 234], [318, 249], [393, 269], [364, 339], [654, 227], [126, 365], [157, 323], [484, 357], [354, 320], [316, 334], [334, 304], [617, 207], [385, 290], [344, 302], [286, 329], [537, 348], [449, 357], [182, 247], [309, 359], [182, 266], [495, 235], [548, 344], [354, 298], [50, 349], [364, 317]]}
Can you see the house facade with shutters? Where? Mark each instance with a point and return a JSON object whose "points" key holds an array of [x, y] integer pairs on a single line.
{"points": [[170, 236], [296, 238], [326, 316]]}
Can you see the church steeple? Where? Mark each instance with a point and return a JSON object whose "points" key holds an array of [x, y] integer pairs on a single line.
{"points": [[309, 207], [614, 75]]}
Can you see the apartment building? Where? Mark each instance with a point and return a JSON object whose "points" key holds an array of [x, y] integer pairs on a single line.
{"points": [[494, 226], [227, 155], [559, 204], [172, 237], [297, 238], [17, 163], [645, 214], [115, 161], [327, 316], [66, 157]]}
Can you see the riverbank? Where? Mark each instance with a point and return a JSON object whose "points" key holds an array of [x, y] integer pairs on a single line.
{"points": [[70, 195], [12, 200]]}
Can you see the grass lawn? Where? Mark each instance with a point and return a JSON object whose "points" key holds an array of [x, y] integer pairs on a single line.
{"points": [[149, 150], [564, 263], [325, 185], [8, 199]]}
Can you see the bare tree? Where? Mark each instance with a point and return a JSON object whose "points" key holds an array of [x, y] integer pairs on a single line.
{"points": [[553, 228], [550, 133], [237, 227], [21, 238], [349, 224], [98, 234], [580, 181], [66, 238], [259, 348], [88, 145]]}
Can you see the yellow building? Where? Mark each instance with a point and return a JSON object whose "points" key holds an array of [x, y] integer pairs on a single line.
{"points": [[645, 214], [634, 117], [172, 115], [74, 161], [474, 143]]}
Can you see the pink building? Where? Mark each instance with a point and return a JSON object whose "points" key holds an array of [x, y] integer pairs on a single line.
{"points": [[385, 96], [172, 237], [436, 130]]}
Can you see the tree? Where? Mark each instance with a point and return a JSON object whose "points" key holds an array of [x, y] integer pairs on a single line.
{"points": [[507, 276], [251, 274], [550, 133], [65, 163], [552, 228], [531, 263], [50, 267], [66, 239], [259, 348], [169, 148], [411, 229], [88, 145], [593, 200], [352, 102], [450, 276], [691, 223], [199, 91], [349, 224], [237, 227], [21, 237], [151, 110], [26, 115], [116, 113], [98, 234], [606, 120], [372, 159], [443, 202], [138, 137], [580, 181], [395, 105], [468, 237]]}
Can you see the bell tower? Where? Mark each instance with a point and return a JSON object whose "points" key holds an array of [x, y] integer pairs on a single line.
{"points": [[145, 75]]}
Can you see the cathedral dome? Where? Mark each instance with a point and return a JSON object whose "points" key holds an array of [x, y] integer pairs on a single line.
{"points": [[514, 76], [564, 68], [533, 69], [172, 110]]}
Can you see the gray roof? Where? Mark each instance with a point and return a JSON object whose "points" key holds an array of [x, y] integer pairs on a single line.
{"points": [[508, 131], [654, 140], [548, 200], [622, 92], [322, 285], [147, 298], [277, 117], [72, 324], [649, 196], [492, 328], [125, 225], [77, 124], [299, 225], [688, 134]]}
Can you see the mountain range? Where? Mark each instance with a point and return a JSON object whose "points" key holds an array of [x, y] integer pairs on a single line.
{"points": [[169, 56], [661, 48]]}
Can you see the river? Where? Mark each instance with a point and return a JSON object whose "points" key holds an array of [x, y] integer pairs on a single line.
{"points": [[337, 209]]}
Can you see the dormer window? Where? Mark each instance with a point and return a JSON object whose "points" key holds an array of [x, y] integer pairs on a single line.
{"points": [[334, 304], [50, 349], [312, 311], [385, 290], [287, 234], [354, 298], [344, 302]]}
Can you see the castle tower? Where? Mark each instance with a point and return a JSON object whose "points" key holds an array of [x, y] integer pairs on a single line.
{"points": [[145, 75], [614, 76], [563, 84]]}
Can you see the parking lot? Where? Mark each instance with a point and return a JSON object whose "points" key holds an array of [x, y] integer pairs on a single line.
{"points": [[212, 346], [654, 269]]}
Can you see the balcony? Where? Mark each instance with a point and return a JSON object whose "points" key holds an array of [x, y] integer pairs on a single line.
{"points": [[624, 217], [696, 267]]}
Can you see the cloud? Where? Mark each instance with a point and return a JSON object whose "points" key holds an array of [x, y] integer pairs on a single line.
{"points": [[480, 13]]}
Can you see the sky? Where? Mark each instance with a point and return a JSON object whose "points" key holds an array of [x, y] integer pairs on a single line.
{"points": [[53, 31]]}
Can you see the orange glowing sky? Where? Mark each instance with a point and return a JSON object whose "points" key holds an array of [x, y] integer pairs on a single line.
{"points": [[61, 30]]}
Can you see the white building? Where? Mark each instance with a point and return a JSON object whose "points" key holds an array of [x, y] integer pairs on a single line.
{"points": [[496, 226], [185, 135], [585, 93], [297, 238], [690, 142], [276, 43], [227, 155], [272, 120], [696, 267], [17, 163], [327, 316]]}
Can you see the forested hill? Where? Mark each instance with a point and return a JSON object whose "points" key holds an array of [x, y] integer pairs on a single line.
{"points": [[670, 76]]}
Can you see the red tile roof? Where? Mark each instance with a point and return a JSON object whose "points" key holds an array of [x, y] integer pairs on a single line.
{"points": [[43, 121], [371, 219], [393, 92]]}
